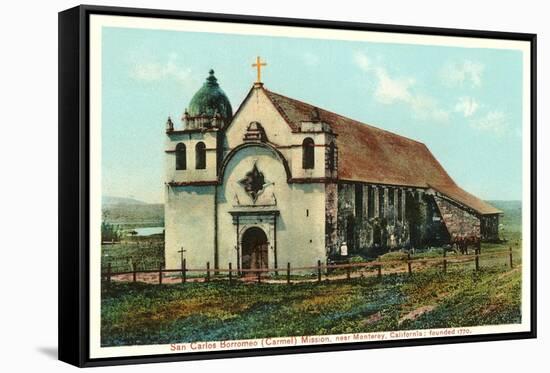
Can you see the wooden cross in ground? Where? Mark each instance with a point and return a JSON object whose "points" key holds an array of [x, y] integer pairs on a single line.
{"points": [[181, 252], [258, 65]]}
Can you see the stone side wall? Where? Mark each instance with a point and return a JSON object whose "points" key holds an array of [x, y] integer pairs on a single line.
{"points": [[331, 217], [426, 219], [346, 214], [371, 231], [489, 227], [458, 221], [433, 229]]}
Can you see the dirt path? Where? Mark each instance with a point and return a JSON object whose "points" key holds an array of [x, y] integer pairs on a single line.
{"points": [[416, 313]]}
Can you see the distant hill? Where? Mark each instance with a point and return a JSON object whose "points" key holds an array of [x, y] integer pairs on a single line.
{"points": [[109, 200], [511, 219], [506, 205], [132, 213]]}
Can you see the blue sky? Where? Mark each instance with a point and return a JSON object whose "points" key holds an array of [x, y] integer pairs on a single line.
{"points": [[465, 104]]}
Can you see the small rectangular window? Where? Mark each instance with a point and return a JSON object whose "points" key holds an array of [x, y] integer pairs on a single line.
{"points": [[358, 201], [381, 211], [399, 204], [200, 156], [308, 153], [391, 205], [181, 157], [370, 202]]}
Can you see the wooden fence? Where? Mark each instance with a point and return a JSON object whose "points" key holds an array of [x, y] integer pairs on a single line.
{"points": [[234, 274]]}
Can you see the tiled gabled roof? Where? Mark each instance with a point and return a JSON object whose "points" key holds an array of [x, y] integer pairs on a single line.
{"points": [[372, 155]]}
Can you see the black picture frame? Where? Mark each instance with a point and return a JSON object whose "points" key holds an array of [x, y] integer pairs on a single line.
{"points": [[74, 156]]}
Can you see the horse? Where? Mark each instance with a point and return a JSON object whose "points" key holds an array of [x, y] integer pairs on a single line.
{"points": [[463, 242]]}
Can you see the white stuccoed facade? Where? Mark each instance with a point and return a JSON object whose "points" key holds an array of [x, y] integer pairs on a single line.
{"points": [[208, 211]]}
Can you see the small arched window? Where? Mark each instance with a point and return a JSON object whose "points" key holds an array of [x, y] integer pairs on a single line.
{"points": [[200, 156], [181, 157], [331, 156], [308, 153]]}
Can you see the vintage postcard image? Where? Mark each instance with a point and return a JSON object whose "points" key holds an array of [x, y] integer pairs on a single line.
{"points": [[265, 186]]}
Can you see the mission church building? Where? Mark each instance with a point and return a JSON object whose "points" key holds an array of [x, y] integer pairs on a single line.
{"points": [[280, 180]]}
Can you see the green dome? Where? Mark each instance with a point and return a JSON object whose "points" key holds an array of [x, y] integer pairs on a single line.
{"points": [[210, 99]]}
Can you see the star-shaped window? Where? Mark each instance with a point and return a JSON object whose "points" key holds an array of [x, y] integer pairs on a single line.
{"points": [[253, 183]]}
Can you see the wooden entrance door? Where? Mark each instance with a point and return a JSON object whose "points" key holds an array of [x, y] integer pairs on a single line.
{"points": [[254, 249]]}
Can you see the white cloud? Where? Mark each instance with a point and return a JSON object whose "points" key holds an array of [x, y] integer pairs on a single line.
{"points": [[494, 121], [426, 107], [390, 89], [467, 106], [440, 115], [310, 59], [362, 61], [156, 71], [462, 73]]}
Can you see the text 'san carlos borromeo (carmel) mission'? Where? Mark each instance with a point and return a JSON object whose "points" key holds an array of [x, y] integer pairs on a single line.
{"points": [[282, 181]]}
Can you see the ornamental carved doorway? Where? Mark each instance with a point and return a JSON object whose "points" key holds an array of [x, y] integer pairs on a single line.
{"points": [[254, 249]]}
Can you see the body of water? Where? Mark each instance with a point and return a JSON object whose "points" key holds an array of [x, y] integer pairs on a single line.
{"points": [[148, 231]]}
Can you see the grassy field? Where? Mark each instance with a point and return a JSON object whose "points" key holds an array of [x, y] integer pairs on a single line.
{"points": [[145, 252], [137, 313]]}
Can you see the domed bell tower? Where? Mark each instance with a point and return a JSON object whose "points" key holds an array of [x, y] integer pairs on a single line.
{"points": [[209, 107], [194, 151]]}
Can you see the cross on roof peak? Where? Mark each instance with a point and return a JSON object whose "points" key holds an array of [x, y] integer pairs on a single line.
{"points": [[258, 65]]}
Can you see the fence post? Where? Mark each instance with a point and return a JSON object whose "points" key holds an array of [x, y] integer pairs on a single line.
{"points": [[134, 272], [259, 274], [348, 270], [379, 268], [230, 273], [160, 274], [318, 270], [477, 260], [184, 270], [409, 264], [207, 279], [288, 273], [108, 273], [444, 261], [511, 262]]}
